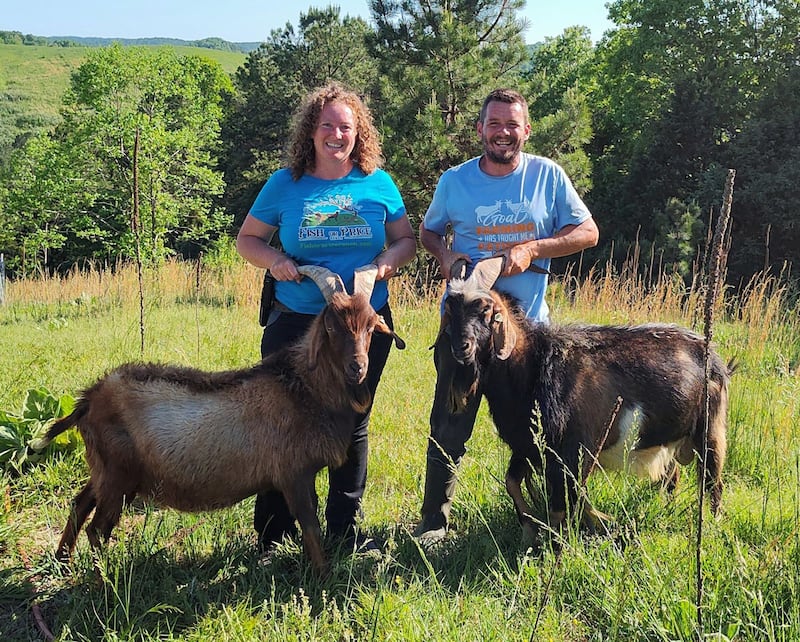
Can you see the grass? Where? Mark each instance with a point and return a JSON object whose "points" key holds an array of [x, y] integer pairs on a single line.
{"points": [[173, 576]]}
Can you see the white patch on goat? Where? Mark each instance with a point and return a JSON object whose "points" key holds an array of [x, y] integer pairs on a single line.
{"points": [[470, 291], [615, 457], [184, 430], [650, 463]]}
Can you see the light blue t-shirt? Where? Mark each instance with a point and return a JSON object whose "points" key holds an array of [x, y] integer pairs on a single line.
{"points": [[491, 213], [338, 224]]}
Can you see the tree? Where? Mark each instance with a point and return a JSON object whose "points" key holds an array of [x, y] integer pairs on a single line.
{"points": [[558, 65], [438, 59], [557, 83], [43, 210], [676, 82], [765, 221], [270, 85], [72, 192]]}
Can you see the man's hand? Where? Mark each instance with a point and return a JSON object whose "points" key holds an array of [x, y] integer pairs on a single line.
{"points": [[518, 259], [448, 260]]}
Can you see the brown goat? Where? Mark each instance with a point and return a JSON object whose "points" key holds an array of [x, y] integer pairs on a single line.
{"points": [[197, 441], [559, 386]]}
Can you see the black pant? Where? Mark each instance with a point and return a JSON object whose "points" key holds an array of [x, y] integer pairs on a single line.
{"points": [[272, 519], [449, 435]]}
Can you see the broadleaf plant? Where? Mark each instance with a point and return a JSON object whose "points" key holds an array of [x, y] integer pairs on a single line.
{"points": [[18, 431]]}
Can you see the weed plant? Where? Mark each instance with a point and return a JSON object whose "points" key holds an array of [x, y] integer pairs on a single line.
{"points": [[174, 576]]}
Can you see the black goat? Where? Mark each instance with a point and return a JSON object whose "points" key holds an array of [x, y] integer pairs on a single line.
{"points": [[562, 383]]}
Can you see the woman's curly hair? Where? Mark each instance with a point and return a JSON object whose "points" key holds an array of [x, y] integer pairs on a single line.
{"points": [[367, 150]]}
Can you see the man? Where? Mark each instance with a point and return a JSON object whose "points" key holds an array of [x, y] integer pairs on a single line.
{"points": [[505, 202]]}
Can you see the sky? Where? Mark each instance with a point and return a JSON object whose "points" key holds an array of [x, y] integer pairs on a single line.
{"points": [[240, 20]]}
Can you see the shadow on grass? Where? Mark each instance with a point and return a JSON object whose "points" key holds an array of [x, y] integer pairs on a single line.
{"points": [[139, 595], [492, 543], [174, 590]]}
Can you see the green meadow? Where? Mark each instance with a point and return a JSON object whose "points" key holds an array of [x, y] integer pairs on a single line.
{"points": [[172, 576], [34, 78]]}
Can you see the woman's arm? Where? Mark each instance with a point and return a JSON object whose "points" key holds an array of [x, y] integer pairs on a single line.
{"points": [[252, 243], [401, 247]]}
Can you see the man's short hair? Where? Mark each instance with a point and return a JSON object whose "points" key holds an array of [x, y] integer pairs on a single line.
{"points": [[508, 96]]}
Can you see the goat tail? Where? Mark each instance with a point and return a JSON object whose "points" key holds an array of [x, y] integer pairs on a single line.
{"points": [[62, 425]]}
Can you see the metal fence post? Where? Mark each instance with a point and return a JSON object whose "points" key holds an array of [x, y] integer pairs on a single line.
{"points": [[2, 280]]}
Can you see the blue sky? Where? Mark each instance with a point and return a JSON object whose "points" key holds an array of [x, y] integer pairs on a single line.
{"points": [[239, 20]]}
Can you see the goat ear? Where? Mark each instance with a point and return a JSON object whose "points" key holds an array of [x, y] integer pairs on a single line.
{"points": [[382, 326], [442, 326], [504, 335], [317, 339]]}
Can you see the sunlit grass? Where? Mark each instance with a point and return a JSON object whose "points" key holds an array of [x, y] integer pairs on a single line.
{"points": [[196, 577]]}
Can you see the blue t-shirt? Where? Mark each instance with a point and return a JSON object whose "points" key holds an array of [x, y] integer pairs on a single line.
{"points": [[491, 213], [338, 224]]}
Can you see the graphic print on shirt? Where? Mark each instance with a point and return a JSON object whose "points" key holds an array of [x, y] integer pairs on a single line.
{"points": [[504, 224], [333, 220]]}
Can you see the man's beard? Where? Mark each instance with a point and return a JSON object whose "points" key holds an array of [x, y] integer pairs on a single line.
{"points": [[504, 157]]}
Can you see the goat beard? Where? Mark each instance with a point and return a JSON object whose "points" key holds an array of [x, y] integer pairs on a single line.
{"points": [[360, 397], [463, 387]]}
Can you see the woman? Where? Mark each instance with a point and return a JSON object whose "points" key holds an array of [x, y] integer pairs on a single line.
{"points": [[332, 206]]}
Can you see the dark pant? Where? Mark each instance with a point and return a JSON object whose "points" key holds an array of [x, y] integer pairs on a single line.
{"points": [[447, 443], [272, 519]]}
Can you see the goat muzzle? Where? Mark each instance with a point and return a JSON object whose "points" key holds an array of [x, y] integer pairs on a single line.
{"points": [[356, 371], [463, 353]]}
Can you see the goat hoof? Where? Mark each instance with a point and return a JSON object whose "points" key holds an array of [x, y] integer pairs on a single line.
{"points": [[529, 535], [557, 519], [594, 521]]}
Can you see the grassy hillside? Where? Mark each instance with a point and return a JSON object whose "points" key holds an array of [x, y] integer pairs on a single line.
{"points": [[33, 80]]}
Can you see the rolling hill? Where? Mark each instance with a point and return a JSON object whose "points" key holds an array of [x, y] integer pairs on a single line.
{"points": [[33, 79]]}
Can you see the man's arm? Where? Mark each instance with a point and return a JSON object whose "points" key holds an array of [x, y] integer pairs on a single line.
{"points": [[568, 240], [435, 244]]}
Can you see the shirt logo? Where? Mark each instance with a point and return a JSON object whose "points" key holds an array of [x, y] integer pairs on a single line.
{"points": [[333, 219], [503, 224]]}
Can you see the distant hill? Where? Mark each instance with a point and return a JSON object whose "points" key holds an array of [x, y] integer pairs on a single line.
{"points": [[205, 43], [35, 75], [18, 38]]}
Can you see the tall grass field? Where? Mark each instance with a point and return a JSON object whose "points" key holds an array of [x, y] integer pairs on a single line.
{"points": [[174, 576]]}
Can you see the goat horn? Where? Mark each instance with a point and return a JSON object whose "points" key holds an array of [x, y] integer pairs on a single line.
{"points": [[458, 269], [364, 279], [329, 283], [486, 272]]}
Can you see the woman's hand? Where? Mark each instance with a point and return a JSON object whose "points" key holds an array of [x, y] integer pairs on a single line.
{"points": [[284, 269], [252, 243]]}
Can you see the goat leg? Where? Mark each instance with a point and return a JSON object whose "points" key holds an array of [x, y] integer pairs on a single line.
{"points": [[518, 470], [106, 517], [562, 481], [82, 505], [301, 498], [671, 477], [592, 519]]}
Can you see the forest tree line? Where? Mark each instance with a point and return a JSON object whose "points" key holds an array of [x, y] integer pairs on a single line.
{"points": [[646, 121]]}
